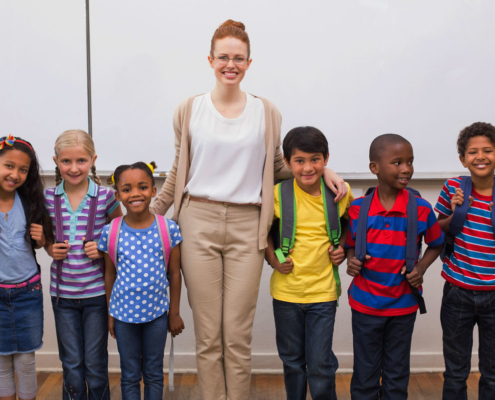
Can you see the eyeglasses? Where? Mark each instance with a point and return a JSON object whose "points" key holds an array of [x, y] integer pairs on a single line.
{"points": [[238, 60]]}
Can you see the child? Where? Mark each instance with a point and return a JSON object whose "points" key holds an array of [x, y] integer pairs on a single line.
{"points": [[469, 266], [142, 250], [24, 225], [79, 209], [305, 287], [381, 294]]}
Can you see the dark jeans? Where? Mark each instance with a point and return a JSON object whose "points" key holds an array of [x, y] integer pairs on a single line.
{"points": [[82, 336], [304, 343], [461, 310], [382, 349], [141, 348]]}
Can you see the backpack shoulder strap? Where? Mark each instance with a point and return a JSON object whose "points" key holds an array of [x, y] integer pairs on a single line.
{"points": [[59, 224], [165, 239], [332, 214], [287, 218], [362, 228], [113, 238], [460, 212], [412, 244], [412, 231], [93, 206], [493, 199]]}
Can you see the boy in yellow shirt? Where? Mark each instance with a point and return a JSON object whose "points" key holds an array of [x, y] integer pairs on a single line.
{"points": [[305, 288]]}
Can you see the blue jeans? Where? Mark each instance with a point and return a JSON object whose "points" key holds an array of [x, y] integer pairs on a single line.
{"points": [[82, 336], [461, 310], [141, 348], [382, 349], [304, 342]]}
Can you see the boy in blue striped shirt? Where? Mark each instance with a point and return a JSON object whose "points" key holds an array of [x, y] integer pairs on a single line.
{"points": [[380, 295], [469, 269]]}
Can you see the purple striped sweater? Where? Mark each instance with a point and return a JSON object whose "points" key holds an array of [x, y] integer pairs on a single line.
{"points": [[81, 276]]}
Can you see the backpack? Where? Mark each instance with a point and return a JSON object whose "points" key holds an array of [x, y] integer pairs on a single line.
{"points": [[411, 237], [163, 231], [59, 231], [165, 239], [27, 214], [284, 232], [459, 216]]}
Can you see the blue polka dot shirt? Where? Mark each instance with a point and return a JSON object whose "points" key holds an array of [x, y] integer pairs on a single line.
{"points": [[139, 293]]}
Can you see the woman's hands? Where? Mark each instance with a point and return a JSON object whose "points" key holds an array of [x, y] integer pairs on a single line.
{"points": [[335, 183]]}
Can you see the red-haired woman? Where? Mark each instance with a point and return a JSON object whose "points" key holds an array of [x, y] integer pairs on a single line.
{"points": [[227, 158]]}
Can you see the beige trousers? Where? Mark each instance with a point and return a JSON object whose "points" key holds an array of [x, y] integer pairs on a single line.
{"points": [[222, 267]]}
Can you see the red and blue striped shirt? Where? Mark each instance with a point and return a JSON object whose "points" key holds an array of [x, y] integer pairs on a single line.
{"points": [[472, 263], [380, 289]]}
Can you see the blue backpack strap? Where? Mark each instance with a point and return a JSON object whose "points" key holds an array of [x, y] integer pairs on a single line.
{"points": [[362, 228], [458, 218], [460, 212], [412, 244], [288, 217], [412, 232], [493, 200]]}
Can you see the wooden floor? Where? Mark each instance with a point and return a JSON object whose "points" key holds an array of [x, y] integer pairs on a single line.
{"points": [[263, 387]]}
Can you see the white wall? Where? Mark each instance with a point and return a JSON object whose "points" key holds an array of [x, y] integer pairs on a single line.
{"points": [[427, 339]]}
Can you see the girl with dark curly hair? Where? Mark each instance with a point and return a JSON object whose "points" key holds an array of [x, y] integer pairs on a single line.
{"points": [[24, 227]]}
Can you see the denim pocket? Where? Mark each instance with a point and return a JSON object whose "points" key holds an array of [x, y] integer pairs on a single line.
{"points": [[36, 290], [450, 313]]}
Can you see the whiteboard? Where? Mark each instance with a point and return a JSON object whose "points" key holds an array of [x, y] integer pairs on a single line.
{"points": [[354, 69], [42, 71]]}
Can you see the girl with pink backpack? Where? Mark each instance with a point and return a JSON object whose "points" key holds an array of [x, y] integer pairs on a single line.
{"points": [[142, 259]]}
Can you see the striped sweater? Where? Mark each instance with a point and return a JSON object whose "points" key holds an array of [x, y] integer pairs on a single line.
{"points": [[81, 276]]}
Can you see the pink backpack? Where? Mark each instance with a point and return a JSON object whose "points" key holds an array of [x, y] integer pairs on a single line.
{"points": [[163, 231]]}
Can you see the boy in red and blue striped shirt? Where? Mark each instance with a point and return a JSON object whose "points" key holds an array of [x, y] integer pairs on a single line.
{"points": [[383, 305], [469, 271]]}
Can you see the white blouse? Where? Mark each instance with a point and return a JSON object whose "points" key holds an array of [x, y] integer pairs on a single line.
{"points": [[227, 155]]}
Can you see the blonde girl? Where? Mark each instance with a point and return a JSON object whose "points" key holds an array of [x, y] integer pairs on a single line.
{"points": [[228, 155], [79, 208]]}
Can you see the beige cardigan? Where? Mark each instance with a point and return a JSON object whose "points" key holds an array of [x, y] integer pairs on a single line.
{"points": [[275, 168]]}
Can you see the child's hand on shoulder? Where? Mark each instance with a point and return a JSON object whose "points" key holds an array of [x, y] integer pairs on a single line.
{"points": [[60, 250], [175, 324], [337, 255], [415, 278], [91, 249], [37, 235], [354, 266]]}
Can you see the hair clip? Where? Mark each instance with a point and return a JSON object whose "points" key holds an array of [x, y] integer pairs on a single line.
{"points": [[151, 167], [10, 140], [112, 181]]}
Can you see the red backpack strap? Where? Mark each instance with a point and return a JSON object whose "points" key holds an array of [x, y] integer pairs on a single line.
{"points": [[165, 238], [113, 238]]}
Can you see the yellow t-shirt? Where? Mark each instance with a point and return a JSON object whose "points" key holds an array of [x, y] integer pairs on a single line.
{"points": [[311, 279]]}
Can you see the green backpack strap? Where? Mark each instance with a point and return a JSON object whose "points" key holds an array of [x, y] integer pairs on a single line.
{"points": [[334, 230], [288, 220], [287, 202]]}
